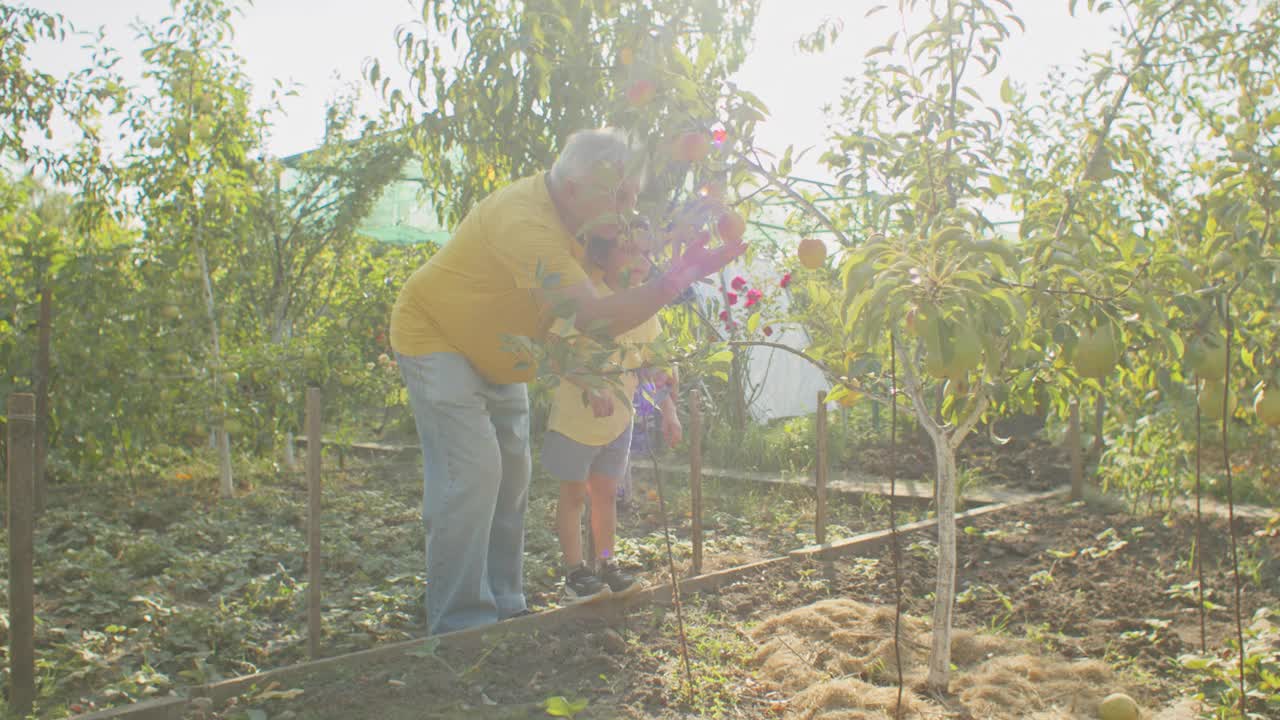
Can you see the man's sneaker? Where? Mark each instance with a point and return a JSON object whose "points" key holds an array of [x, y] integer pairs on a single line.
{"points": [[618, 580], [581, 584]]}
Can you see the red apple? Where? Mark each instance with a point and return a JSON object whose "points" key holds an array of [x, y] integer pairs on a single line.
{"points": [[731, 226], [812, 252], [641, 92], [692, 147]]}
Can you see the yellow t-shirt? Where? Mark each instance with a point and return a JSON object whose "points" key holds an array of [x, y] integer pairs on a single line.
{"points": [[479, 287], [571, 418]]}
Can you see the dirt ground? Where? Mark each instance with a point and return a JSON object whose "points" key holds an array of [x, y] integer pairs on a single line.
{"points": [[1072, 582]]}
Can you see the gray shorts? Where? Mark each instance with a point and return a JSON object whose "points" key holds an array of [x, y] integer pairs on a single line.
{"points": [[568, 460]]}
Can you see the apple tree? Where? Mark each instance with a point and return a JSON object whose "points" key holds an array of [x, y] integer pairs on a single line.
{"points": [[927, 280]]}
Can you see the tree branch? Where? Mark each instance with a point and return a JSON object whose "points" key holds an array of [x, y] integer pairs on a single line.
{"points": [[1108, 119], [802, 200], [966, 426], [915, 391], [831, 374]]}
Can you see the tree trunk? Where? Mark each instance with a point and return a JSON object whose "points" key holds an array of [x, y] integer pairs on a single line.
{"points": [[44, 335], [290, 457], [738, 387], [944, 448], [1099, 417], [1076, 451], [223, 441], [945, 590]]}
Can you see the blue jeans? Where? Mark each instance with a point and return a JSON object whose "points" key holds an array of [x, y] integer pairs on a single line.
{"points": [[476, 471]]}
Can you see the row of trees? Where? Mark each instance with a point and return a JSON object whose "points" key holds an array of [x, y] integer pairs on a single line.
{"points": [[1144, 268], [197, 283], [1143, 186]]}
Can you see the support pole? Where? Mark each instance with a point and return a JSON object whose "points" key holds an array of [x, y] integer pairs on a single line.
{"points": [[695, 475], [22, 620], [820, 517]]}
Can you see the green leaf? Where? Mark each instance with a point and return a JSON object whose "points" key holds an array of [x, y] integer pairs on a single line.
{"points": [[838, 393], [1006, 91], [753, 322], [724, 356], [559, 706], [784, 165]]}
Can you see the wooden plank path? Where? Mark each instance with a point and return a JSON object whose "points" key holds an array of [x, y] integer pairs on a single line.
{"points": [[851, 482], [847, 481]]}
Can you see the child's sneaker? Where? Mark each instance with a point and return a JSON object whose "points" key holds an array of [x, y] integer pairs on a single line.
{"points": [[618, 580], [581, 584]]}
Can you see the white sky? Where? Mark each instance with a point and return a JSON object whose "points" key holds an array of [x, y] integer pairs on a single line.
{"points": [[322, 44]]}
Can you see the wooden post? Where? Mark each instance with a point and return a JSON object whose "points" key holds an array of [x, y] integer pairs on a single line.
{"points": [[695, 475], [44, 335], [1077, 452], [313, 522], [820, 517], [22, 620]]}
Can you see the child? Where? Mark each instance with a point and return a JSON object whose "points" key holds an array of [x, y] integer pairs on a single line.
{"points": [[587, 445]]}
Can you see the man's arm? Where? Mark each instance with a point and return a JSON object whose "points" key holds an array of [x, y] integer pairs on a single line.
{"points": [[621, 311], [627, 309]]}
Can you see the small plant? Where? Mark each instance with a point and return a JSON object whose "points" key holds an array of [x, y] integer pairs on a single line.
{"points": [[1217, 675]]}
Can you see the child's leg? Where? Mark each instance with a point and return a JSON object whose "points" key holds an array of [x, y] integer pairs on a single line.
{"points": [[602, 487], [602, 490], [569, 521]]}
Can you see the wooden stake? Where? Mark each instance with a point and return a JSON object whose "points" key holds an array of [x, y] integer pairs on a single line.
{"points": [[1077, 452], [44, 333], [695, 475], [820, 517], [22, 620], [313, 522]]}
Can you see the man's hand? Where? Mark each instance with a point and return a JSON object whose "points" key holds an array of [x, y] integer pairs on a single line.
{"points": [[694, 261], [601, 403]]}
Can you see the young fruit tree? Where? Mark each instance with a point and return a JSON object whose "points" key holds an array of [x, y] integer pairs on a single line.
{"points": [[195, 177], [931, 273]]}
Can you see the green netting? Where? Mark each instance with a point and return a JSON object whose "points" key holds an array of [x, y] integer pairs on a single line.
{"points": [[402, 216]]}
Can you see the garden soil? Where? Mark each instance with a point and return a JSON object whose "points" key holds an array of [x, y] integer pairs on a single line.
{"points": [[1059, 605]]}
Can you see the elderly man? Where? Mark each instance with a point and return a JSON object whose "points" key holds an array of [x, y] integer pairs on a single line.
{"points": [[514, 254]]}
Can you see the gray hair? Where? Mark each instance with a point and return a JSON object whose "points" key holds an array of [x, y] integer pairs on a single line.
{"points": [[586, 152]]}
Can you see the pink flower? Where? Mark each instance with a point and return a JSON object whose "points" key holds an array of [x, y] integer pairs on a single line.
{"points": [[738, 283], [785, 281], [718, 137], [732, 297], [753, 297], [724, 315]]}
